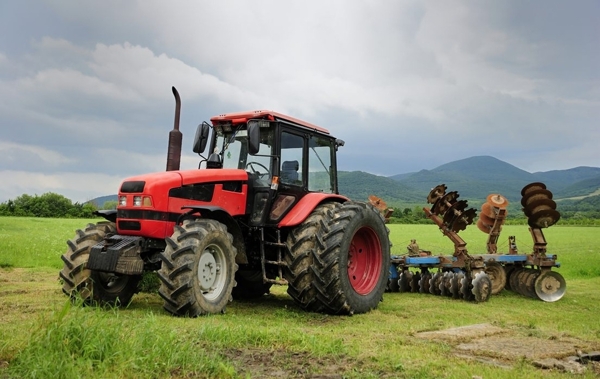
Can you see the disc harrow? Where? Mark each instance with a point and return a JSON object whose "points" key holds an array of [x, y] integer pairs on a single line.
{"points": [[477, 277]]}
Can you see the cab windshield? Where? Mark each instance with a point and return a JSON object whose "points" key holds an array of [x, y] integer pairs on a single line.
{"points": [[233, 147]]}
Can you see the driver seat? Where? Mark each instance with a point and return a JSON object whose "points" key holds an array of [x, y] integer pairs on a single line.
{"points": [[289, 171]]}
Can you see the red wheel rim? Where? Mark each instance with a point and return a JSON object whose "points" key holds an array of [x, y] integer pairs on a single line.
{"points": [[364, 261]]}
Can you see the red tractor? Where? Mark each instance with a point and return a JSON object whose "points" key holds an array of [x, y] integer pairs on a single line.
{"points": [[263, 208]]}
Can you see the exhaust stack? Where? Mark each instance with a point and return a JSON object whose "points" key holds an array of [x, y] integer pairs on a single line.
{"points": [[175, 138]]}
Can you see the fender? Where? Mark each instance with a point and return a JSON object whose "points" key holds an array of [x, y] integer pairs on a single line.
{"points": [[221, 215], [306, 205]]}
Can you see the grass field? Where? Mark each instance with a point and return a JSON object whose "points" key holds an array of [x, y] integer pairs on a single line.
{"points": [[43, 336]]}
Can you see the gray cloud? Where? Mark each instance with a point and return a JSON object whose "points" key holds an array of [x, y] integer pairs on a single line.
{"points": [[408, 85]]}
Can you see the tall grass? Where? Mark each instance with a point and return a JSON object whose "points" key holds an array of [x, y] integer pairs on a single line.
{"points": [[42, 335]]}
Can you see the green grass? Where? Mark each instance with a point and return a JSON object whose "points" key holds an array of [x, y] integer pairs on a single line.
{"points": [[42, 335]]}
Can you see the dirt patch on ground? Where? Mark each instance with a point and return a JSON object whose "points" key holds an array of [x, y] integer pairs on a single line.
{"points": [[503, 347], [256, 363]]}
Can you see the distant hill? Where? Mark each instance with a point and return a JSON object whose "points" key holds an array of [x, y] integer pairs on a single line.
{"points": [[474, 178], [359, 185], [477, 177]]}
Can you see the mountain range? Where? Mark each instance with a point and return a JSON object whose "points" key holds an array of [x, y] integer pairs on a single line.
{"points": [[473, 178]]}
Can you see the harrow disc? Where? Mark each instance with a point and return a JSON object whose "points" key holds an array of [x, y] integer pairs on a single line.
{"points": [[483, 227], [455, 285], [544, 218], [550, 286], [497, 275], [414, 283], [404, 281], [539, 205], [393, 285], [462, 221], [465, 287], [442, 205], [530, 279], [508, 269], [535, 195], [532, 187], [446, 284], [497, 200], [513, 280], [424, 282], [436, 193], [481, 287], [434, 284], [486, 220], [521, 281]]}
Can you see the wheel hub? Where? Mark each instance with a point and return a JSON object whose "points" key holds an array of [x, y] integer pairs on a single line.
{"points": [[207, 271]]}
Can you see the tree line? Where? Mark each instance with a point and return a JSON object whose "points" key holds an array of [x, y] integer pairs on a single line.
{"points": [[47, 205], [54, 205]]}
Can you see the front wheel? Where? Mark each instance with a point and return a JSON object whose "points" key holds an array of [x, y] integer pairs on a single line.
{"points": [[198, 268], [94, 286]]}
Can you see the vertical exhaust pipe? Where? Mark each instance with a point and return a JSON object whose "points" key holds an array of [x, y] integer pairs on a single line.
{"points": [[175, 137]]}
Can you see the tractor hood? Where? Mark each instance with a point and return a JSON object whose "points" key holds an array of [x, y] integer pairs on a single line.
{"points": [[148, 183]]}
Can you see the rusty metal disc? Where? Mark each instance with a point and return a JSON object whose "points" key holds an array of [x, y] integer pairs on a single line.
{"points": [[488, 210], [481, 287], [497, 275], [378, 203], [454, 210], [441, 206], [539, 205], [497, 200], [445, 284], [461, 221], [455, 284], [550, 286], [483, 227], [404, 281], [521, 282], [508, 269], [532, 187], [436, 193], [530, 283], [424, 282], [434, 283], [513, 279], [544, 218], [487, 220], [414, 283], [533, 196], [465, 287]]}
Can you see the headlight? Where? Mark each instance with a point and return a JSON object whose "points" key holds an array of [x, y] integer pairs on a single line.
{"points": [[122, 201], [137, 201]]}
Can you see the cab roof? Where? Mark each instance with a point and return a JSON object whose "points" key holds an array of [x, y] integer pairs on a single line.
{"points": [[243, 117]]}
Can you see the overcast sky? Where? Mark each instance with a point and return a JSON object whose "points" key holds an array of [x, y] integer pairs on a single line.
{"points": [[86, 96]]}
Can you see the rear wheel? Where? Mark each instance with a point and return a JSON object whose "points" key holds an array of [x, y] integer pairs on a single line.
{"points": [[303, 258], [354, 258], [198, 268], [94, 286]]}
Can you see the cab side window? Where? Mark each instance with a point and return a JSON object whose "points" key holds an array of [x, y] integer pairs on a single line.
{"points": [[320, 151], [292, 147]]}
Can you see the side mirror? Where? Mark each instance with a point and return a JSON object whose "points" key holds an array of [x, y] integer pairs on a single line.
{"points": [[201, 138], [253, 137]]}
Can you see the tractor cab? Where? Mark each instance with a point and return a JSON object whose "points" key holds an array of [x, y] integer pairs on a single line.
{"points": [[285, 159]]}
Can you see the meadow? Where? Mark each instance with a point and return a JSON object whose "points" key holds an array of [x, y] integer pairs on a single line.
{"points": [[43, 335]]}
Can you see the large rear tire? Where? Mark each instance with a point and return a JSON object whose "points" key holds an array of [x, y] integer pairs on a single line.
{"points": [[198, 269], [303, 258], [94, 286], [355, 253], [340, 259]]}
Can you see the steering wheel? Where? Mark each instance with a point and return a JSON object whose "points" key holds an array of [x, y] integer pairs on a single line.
{"points": [[250, 164]]}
